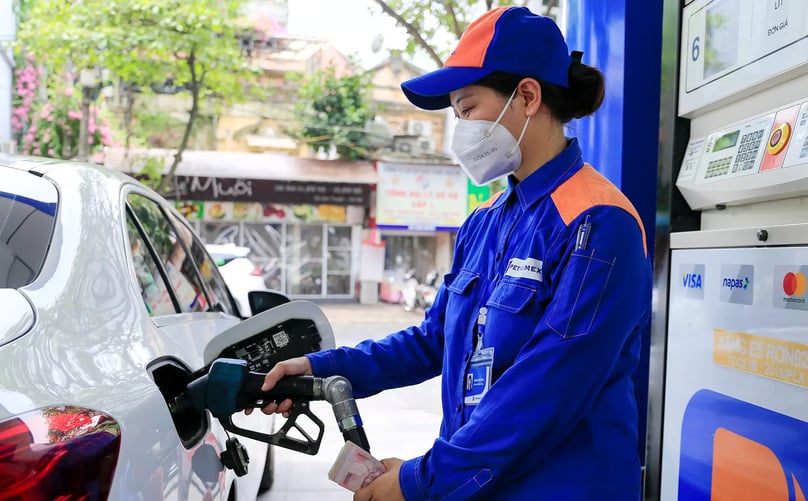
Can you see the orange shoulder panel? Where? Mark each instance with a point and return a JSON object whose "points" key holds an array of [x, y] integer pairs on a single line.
{"points": [[587, 188], [488, 203]]}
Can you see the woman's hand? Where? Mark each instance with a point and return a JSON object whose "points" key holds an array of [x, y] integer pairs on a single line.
{"points": [[292, 367], [384, 488]]}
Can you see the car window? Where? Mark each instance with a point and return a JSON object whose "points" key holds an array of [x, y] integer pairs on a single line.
{"points": [[153, 290], [27, 215], [208, 270], [172, 247]]}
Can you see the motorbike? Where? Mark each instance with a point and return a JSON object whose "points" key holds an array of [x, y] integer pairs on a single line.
{"points": [[415, 294]]}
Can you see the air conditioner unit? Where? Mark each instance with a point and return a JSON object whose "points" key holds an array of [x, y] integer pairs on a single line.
{"points": [[8, 147], [426, 145], [408, 146], [419, 128]]}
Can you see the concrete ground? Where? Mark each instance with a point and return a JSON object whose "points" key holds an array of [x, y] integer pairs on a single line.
{"points": [[399, 423]]}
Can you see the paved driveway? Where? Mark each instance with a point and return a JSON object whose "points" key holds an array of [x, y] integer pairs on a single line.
{"points": [[399, 423]]}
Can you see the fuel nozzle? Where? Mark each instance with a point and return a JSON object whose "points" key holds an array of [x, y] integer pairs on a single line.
{"points": [[229, 387]]}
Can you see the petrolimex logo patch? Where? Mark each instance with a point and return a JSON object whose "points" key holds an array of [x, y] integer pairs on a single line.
{"points": [[737, 283], [691, 277], [790, 284], [737, 451]]}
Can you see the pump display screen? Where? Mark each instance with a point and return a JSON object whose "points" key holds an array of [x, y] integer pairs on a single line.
{"points": [[726, 141], [721, 37]]}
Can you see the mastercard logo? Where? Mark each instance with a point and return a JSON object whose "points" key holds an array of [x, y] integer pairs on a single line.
{"points": [[794, 284]]}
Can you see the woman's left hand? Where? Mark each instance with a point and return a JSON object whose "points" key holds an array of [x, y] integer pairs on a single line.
{"points": [[384, 488]]}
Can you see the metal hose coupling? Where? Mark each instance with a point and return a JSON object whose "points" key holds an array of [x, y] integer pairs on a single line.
{"points": [[338, 392]]}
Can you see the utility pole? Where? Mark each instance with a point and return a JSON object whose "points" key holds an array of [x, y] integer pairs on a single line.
{"points": [[88, 81], [7, 33]]}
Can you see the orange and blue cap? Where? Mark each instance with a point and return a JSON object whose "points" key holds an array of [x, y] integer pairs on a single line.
{"points": [[507, 39]]}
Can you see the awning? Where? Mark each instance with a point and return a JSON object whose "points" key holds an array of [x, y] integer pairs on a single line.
{"points": [[231, 164]]}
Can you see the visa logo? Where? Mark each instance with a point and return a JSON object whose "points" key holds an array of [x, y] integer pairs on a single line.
{"points": [[691, 280]]}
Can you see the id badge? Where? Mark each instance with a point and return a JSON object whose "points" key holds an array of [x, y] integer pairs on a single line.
{"points": [[478, 376]]}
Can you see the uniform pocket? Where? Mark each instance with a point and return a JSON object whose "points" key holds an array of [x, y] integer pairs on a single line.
{"points": [[511, 296], [462, 282], [580, 294]]}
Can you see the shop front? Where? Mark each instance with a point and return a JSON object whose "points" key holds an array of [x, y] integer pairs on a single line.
{"points": [[302, 219], [303, 236], [418, 210]]}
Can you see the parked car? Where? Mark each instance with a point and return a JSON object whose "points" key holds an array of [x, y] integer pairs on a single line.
{"points": [[238, 271], [108, 302]]}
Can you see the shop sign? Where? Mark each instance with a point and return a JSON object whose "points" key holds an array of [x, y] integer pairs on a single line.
{"points": [[421, 197], [268, 190], [270, 213]]}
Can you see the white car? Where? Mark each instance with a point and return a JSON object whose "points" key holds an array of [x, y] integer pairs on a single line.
{"points": [[109, 307], [240, 274]]}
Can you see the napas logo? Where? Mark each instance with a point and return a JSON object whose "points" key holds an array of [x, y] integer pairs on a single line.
{"points": [[737, 283]]}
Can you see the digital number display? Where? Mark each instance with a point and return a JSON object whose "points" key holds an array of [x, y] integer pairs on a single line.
{"points": [[726, 141]]}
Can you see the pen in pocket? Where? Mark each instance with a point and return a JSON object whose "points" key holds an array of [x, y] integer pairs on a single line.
{"points": [[583, 234]]}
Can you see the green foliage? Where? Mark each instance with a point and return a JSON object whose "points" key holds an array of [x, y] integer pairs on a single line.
{"points": [[53, 124], [143, 41], [334, 110], [435, 27], [192, 43]]}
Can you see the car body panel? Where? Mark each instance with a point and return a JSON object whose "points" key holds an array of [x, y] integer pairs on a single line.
{"points": [[89, 340], [18, 315]]}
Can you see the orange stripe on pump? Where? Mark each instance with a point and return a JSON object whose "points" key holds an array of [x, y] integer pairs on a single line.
{"points": [[744, 470], [587, 188], [474, 42]]}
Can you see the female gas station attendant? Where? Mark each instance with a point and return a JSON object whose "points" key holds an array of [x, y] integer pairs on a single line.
{"points": [[536, 330]]}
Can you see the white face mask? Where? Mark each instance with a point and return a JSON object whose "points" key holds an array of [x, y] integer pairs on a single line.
{"points": [[487, 150]]}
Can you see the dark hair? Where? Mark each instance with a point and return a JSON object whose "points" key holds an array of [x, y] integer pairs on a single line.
{"points": [[583, 96]]}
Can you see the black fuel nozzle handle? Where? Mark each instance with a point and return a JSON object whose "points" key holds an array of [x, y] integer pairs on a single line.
{"points": [[290, 387], [229, 387]]}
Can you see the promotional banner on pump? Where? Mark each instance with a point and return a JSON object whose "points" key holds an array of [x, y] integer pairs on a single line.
{"points": [[737, 376]]}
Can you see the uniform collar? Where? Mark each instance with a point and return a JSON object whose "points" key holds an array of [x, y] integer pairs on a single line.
{"points": [[548, 177]]}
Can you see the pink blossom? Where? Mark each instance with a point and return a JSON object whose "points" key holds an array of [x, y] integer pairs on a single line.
{"points": [[51, 153], [74, 115], [99, 158], [69, 91], [90, 140], [91, 128], [32, 129], [36, 151]]}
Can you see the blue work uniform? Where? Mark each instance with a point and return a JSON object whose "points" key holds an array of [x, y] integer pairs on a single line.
{"points": [[559, 263]]}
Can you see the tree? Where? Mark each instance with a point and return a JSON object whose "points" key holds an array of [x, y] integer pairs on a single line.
{"points": [[192, 44], [426, 20], [333, 111]]}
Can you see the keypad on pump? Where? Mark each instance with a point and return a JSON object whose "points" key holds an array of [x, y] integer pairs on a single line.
{"points": [[718, 167], [748, 150]]}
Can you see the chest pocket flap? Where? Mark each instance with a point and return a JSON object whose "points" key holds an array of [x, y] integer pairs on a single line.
{"points": [[510, 296], [462, 282]]}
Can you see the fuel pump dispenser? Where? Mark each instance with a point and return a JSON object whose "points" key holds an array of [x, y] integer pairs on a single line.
{"points": [[732, 365], [239, 359]]}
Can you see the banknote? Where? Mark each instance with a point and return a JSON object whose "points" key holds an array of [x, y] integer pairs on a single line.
{"points": [[355, 467]]}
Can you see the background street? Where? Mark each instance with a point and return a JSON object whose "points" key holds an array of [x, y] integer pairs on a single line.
{"points": [[399, 423]]}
